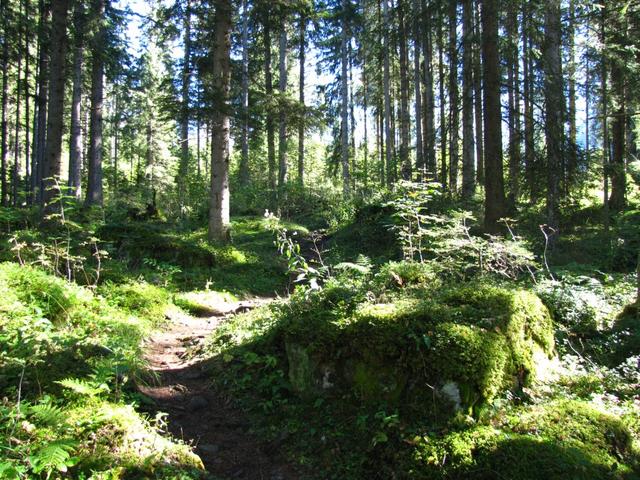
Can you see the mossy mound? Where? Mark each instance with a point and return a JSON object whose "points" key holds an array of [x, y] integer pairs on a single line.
{"points": [[559, 440], [478, 341], [627, 330]]}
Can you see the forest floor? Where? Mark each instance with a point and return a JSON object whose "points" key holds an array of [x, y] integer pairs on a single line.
{"points": [[198, 413]]}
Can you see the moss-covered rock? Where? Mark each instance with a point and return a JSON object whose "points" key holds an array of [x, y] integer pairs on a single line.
{"points": [[559, 440], [481, 338]]}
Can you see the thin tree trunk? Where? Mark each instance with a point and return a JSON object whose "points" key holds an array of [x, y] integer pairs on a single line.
{"points": [[15, 176], [429, 100], [75, 146], [468, 171], [417, 81], [605, 121], [344, 105], [405, 118], [183, 170], [494, 180], [282, 87], [219, 209], [554, 104], [4, 193], [244, 142], [454, 117], [529, 138], [27, 102], [617, 170], [514, 106], [301, 126], [55, 110], [389, 134], [271, 142], [94, 184], [40, 134], [572, 163], [477, 98], [443, 117]]}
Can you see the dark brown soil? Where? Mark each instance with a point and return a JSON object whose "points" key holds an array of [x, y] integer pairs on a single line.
{"points": [[201, 415]]}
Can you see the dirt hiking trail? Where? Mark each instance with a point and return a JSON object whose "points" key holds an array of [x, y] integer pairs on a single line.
{"points": [[197, 412]]}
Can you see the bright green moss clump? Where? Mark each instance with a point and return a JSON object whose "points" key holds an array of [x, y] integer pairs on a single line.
{"points": [[563, 439], [480, 340]]}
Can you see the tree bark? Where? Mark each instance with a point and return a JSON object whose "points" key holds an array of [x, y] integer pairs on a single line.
{"points": [[94, 184], [454, 117], [468, 170], [494, 203], [183, 170], [405, 118], [389, 134], [219, 202], [417, 81], [271, 142], [244, 141], [301, 127], [429, 100], [553, 90], [4, 150], [282, 87], [76, 142], [55, 108], [513, 81], [344, 102], [477, 98]]}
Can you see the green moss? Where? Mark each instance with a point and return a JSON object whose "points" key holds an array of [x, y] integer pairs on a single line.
{"points": [[481, 337], [140, 298], [564, 439]]}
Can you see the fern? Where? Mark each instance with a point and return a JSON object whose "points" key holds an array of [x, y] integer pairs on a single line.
{"points": [[55, 456], [83, 387], [47, 414]]}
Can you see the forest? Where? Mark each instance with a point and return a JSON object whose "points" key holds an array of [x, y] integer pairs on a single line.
{"points": [[319, 239]]}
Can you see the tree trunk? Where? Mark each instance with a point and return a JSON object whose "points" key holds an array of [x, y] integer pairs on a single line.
{"points": [[4, 150], [617, 170], [75, 143], [477, 98], [454, 117], [344, 102], [15, 176], [55, 110], [468, 171], [244, 141], [219, 202], [282, 87], [271, 141], [40, 132], [494, 203], [429, 100], [572, 163], [301, 127], [513, 81], [94, 184], [554, 104], [443, 121], [529, 134], [183, 170], [417, 81], [389, 134], [405, 118]]}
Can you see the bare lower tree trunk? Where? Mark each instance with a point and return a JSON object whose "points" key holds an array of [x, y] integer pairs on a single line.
{"points": [[94, 184], [55, 110], [477, 98], [554, 104], [405, 118], [40, 131], [4, 150], [344, 105], [429, 100], [183, 170], [282, 133], [529, 139], [389, 134], [494, 179], [75, 142], [513, 81], [468, 171], [271, 142], [15, 175], [301, 127], [244, 156], [219, 202], [572, 163], [443, 105], [417, 80], [454, 117]]}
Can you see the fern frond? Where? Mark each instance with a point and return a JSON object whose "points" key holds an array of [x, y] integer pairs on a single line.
{"points": [[47, 414], [53, 456], [83, 387]]}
